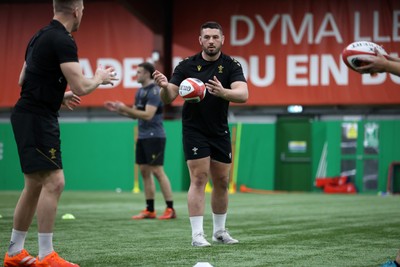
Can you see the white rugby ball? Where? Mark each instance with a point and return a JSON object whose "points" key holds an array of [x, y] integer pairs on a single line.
{"points": [[192, 90], [354, 53]]}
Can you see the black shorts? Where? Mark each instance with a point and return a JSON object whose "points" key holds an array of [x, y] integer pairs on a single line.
{"points": [[38, 141], [196, 146], [150, 151]]}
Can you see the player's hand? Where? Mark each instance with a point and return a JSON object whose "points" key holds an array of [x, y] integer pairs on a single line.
{"points": [[106, 76], [114, 105], [160, 79], [71, 100], [215, 87], [119, 105], [375, 64], [110, 105]]}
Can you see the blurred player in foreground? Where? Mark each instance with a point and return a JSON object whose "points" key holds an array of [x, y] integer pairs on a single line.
{"points": [[390, 65], [51, 62], [394, 263], [206, 136], [150, 145]]}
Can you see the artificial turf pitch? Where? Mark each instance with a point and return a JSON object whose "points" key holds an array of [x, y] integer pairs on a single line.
{"points": [[295, 229]]}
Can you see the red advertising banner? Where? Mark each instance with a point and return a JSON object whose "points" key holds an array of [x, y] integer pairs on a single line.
{"points": [[290, 50], [109, 35]]}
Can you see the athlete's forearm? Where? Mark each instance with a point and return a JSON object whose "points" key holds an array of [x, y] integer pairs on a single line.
{"points": [[135, 113], [238, 94], [87, 86], [393, 67], [81, 85], [168, 94]]}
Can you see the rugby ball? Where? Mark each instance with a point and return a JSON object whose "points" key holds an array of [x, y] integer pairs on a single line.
{"points": [[355, 52], [192, 90]]}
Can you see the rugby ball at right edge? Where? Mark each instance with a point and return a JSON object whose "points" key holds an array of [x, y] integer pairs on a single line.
{"points": [[355, 52]]}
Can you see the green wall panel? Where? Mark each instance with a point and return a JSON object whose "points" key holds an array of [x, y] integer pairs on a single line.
{"points": [[389, 145], [11, 177], [256, 160], [98, 155], [318, 133], [333, 138], [174, 160]]}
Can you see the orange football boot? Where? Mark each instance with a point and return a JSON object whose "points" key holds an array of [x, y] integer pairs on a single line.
{"points": [[168, 214], [22, 259], [145, 214], [53, 260]]}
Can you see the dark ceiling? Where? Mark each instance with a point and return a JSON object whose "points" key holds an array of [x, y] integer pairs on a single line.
{"points": [[157, 15]]}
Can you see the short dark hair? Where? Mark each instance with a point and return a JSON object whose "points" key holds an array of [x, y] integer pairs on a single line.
{"points": [[66, 5], [211, 25], [148, 66]]}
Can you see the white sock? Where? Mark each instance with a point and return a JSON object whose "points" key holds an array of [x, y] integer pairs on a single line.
{"points": [[17, 242], [197, 225], [45, 244], [219, 222]]}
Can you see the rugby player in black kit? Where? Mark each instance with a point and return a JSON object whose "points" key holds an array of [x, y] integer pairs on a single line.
{"points": [[51, 62], [206, 136]]}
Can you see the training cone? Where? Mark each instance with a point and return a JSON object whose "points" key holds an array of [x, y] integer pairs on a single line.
{"points": [[136, 190], [68, 216], [232, 189]]}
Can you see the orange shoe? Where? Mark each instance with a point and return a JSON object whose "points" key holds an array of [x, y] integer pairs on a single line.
{"points": [[53, 260], [168, 214], [20, 260], [145, 214]]}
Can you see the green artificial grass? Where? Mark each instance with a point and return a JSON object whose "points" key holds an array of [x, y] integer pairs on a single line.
{"points": [[309, 229]]}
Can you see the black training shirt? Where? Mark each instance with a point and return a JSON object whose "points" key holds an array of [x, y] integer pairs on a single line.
{"points": [[210, 116], [44, 84]]}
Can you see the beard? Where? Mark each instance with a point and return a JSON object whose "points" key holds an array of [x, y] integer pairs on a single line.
{"points": [[213, 52]]}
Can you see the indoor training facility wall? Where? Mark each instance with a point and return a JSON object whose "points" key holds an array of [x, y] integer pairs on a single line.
{"points": [[100, 155]]}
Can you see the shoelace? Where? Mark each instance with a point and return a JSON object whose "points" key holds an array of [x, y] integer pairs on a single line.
{"points": [[201, 234]]}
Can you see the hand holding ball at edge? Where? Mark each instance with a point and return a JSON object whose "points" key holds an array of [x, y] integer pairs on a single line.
{"points": [[365, 57], [378, 64]]}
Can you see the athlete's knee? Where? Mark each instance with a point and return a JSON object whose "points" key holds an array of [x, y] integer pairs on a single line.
{"points": [[57, 186], [145, 170], [199, 179], [55, 183], [32, 186], [221, 182], [159, 173]]}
